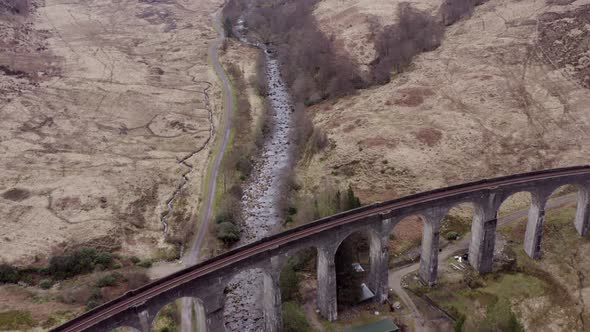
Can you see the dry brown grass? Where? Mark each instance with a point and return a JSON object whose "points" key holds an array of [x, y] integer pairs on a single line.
{"points": [[94, 123], [429, 136], [483, 104]]}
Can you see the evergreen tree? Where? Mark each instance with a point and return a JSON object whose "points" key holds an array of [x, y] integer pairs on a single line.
{"points": [[353, 202]]}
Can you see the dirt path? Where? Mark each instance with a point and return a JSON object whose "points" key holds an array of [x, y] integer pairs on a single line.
{"points": [[395, 276], [191, 255]]}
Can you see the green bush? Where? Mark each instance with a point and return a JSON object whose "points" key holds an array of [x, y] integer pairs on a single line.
{"points": [[224, 217], [46, 283], [9, 274], [294, 319], [291, 210], [104, 258], [244, 166], [80, 261], [105, 281], [134, 259], [145, 264], [228, 232], [452, 236], [459, 323]]}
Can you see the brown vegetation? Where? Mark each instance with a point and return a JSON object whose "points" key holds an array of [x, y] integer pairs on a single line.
{"points": [[311, 67], [453, 10], [19, 7], [16, 194], [429, 136], [397, 44]]}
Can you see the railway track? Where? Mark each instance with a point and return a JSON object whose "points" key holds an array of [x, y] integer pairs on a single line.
{"points": [[137, 297]]}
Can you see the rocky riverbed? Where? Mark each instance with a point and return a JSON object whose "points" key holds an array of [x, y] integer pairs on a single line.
{"points": [[261, 215]]}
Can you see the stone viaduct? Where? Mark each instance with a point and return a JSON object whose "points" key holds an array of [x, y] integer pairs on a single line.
{"points": [[206, 281]]}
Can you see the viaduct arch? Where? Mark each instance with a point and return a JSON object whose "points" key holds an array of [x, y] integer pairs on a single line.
{"points": [[206, 281]]}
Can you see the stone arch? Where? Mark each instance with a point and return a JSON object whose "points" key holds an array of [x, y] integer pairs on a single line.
{"points": [[371, 233], [299, 279], [529, 205], [406, 238], [356, 257], [514, 200], [459, 218], [430, 219], [251, 298], [296, 254], [171, 314], [568, 195]]}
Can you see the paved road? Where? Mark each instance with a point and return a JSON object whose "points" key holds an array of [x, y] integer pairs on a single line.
{"points": [[395, 276], [191, 256]]}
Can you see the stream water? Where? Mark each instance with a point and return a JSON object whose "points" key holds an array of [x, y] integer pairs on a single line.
{"points": [[260, 211]]}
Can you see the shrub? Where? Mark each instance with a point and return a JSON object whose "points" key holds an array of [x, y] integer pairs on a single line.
{"points": [[9, 274], [108, 280], [228, 232], [227, 27], [78, 262], [104, 258], [294, 319], [224, 216], [244, 166], [452, 236], [145, 263], [291, 210], [46, 283], [459, 323], [134, 259]]}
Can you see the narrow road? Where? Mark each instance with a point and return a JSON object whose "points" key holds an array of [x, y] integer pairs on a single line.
{"points": [[190, 257], [395, 276]]}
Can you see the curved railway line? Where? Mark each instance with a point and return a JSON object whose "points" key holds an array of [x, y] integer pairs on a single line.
{"points": [[139, 296]]}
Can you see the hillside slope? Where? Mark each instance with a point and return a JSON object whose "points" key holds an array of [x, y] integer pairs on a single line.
{"points": [[487, 102], [100, 102]]}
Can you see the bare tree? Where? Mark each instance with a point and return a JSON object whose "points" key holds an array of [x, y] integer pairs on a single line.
{"points": [[397, 44], [453, 10]]}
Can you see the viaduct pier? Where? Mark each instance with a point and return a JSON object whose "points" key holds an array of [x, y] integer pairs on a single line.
{"points": [[207, 281]]}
